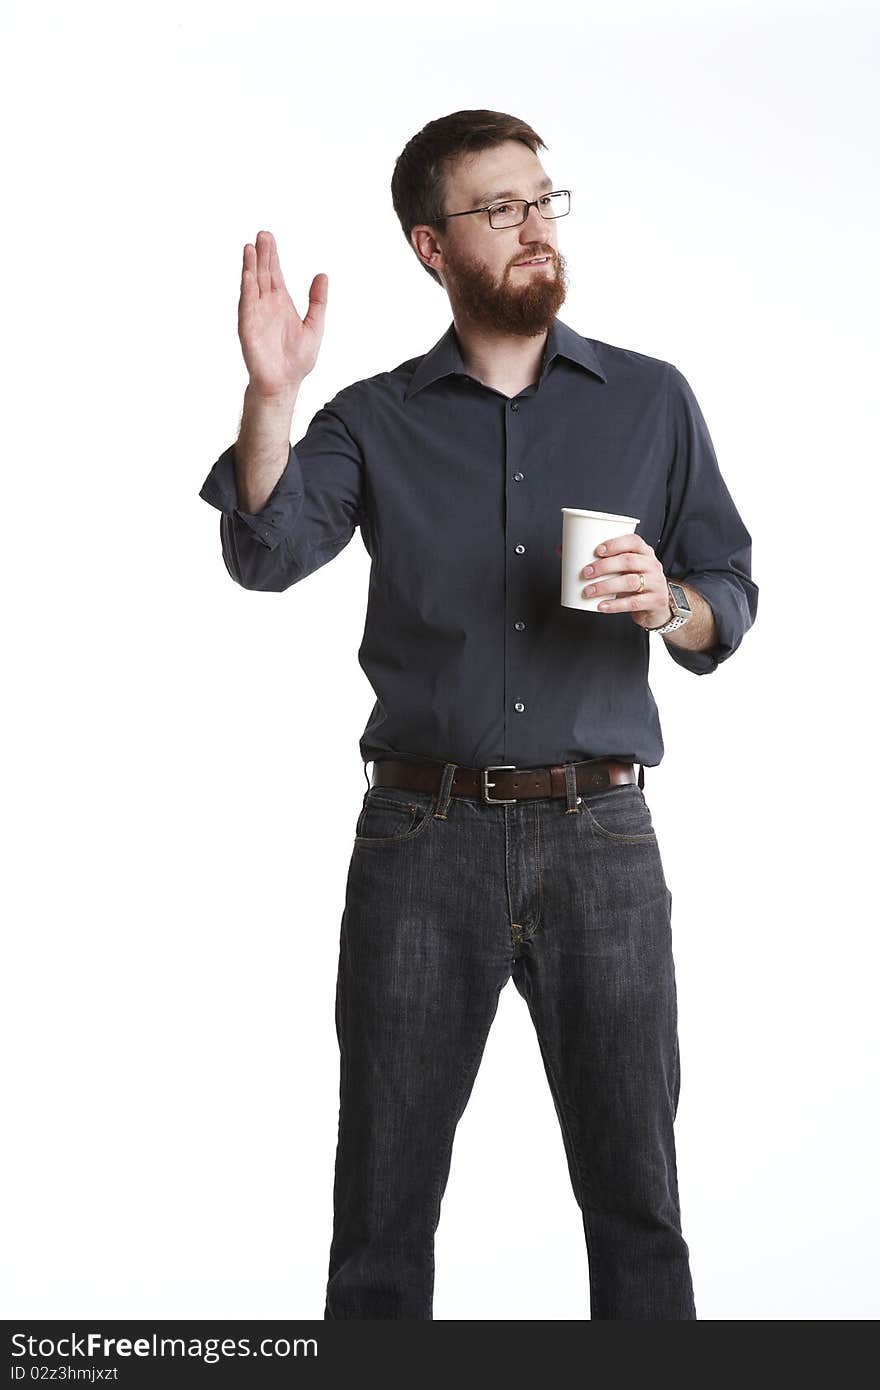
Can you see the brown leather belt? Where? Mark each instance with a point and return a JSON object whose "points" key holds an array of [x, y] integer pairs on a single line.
{"points": [[500, 783]]}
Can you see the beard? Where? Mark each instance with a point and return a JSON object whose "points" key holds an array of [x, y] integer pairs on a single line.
{"points": [[524, 303]]}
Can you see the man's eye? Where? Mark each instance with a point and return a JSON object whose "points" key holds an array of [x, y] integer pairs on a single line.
{"points": [[501, 207]]}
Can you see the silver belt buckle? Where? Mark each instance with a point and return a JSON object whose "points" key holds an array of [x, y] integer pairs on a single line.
{"points": [[496, 800]]}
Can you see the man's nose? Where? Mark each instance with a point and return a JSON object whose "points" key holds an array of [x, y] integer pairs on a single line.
{"points": [[534, 228]]}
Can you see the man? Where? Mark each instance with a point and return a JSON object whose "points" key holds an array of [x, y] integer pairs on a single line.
{"points": [[503, 831]]}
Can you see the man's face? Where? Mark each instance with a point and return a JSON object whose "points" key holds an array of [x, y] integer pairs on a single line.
{"points": [[480, 265]]}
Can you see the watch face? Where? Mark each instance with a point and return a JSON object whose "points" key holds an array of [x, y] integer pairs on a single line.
{"points": [[679, 597]]}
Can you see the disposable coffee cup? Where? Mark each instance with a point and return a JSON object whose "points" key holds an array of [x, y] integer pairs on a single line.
{"points": [[581, 532]]}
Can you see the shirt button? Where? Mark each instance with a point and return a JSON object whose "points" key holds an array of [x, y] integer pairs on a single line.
{"points": [[519, 626], [517, 477], [520, 550], [513, 405], [519, 707]]}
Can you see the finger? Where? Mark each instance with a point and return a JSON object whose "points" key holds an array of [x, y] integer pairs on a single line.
{"points": [[651, 598], [275, 276], [263, 245], [617, 544], [626, 560], [249, 291], [317, 302], [616, 584]]}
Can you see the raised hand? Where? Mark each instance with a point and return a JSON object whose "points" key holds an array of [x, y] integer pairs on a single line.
{"points": [[279, 348]]}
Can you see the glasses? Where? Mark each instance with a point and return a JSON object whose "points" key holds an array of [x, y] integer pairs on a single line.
{"points": [[514, 213]]}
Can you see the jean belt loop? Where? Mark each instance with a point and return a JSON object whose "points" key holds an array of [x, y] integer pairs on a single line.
{"points": [[445, 792], [366, 774], [641, 776], [572, 800]]}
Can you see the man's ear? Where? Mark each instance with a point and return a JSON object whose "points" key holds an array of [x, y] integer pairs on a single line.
{"points": [[426, 246]]}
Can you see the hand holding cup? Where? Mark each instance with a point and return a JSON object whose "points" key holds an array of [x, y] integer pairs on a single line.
{"points": [[621, 575]]}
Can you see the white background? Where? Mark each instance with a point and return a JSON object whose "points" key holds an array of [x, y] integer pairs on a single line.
{"points": [[176, 851]]}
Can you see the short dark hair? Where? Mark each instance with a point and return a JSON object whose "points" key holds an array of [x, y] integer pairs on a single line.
{"points": [[418, 184]]}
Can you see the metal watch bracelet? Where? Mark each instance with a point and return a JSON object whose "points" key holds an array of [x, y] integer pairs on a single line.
{"points": [[675, 621]]}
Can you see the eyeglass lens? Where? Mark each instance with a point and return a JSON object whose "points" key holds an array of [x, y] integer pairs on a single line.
{"points": [[511, 214]]}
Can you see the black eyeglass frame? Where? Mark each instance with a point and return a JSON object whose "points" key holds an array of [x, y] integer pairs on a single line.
{"points": [[528, 204]]}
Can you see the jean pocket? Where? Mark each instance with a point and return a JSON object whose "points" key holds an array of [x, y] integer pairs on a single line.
{"points": [[392, 814], [620, 813]]}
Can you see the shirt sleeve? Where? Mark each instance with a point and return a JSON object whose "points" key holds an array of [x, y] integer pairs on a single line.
{"points": [[311, 513], [704, 542]]}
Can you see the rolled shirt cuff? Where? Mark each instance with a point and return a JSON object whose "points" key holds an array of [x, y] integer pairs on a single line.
{"points": [[727, 601], [277, 518]]}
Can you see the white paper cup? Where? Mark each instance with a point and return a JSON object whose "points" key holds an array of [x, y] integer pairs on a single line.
{"points": [[581, 532]]}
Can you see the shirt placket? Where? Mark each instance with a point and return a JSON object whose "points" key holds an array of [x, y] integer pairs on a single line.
{"points": [[518, 538]]}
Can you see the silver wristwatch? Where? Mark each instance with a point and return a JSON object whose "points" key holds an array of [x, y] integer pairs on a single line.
{"points": [[679, 608]]}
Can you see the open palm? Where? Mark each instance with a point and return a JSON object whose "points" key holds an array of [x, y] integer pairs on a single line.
{"points": [[280, 348]]}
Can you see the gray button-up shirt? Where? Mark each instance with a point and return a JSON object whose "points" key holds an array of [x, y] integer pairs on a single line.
{"points": [[458, 491]]}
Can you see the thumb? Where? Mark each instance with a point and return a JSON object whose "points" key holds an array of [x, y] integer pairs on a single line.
{"points": [[317, 303]]}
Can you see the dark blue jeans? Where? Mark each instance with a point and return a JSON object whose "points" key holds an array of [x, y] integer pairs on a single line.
{"points": [[446, 898]]}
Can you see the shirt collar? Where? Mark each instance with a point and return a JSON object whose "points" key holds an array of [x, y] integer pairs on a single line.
{"points": [[445, 359]]}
